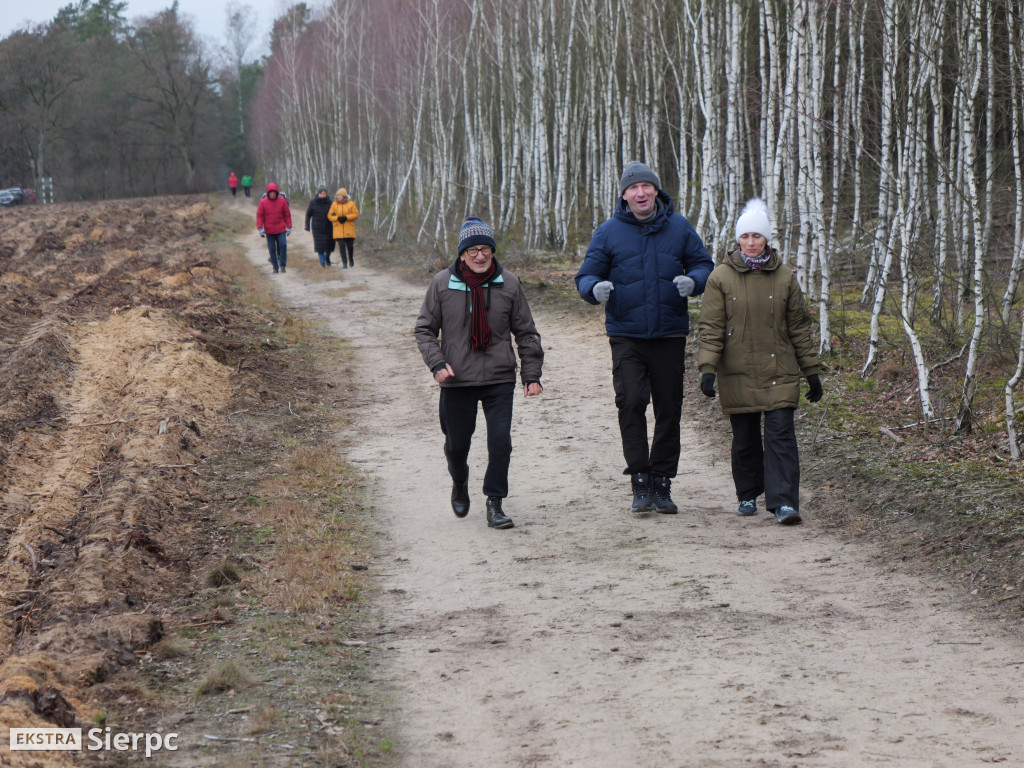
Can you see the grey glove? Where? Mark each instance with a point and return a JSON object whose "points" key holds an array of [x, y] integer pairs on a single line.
{"points": [[287, 231], [262, 233], [603, 290], [685, 285]]}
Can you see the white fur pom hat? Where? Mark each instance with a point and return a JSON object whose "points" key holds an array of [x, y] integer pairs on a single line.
{"points": [[754, 218]]}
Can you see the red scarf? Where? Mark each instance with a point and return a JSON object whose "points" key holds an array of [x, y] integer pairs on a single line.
{"points": [[480, 330]]}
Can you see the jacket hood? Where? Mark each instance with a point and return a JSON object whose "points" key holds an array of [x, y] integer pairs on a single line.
{"points": [[734, 258], [272, 187]]}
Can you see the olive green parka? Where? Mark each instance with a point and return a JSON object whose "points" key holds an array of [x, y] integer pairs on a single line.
{"points": [[755, 335]]}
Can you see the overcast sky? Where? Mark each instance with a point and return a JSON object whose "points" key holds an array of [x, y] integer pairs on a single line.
{"points": [[209, 16]]}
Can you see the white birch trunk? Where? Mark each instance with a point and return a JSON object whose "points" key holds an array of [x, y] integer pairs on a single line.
{"points": [[1014, 33], [890, 54], [964, 420], [562, 157], [1008, 391]]}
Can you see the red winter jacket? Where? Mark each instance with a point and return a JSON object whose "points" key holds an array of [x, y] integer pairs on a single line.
{"points": [[273, 215]]}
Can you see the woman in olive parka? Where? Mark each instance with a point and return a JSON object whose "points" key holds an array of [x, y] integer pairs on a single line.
{"points": [[755, 339]]}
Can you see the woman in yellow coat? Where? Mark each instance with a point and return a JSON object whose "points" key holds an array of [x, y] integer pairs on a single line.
{"points": [[344, 214]]}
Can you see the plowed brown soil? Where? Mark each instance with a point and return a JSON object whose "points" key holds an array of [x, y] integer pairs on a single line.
{"points": [[109, 389]]}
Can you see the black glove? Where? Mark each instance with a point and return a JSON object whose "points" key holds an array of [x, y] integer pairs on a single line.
{"points": [[343, 219], [307, 229], [707, 384], [815, 392]]}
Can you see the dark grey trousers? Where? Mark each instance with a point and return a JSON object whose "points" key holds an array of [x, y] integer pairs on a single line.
{"points": [[771, 467]]}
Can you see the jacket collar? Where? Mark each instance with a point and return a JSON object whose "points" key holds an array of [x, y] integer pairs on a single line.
{"points": [[663, 211], [456, 284], [734, 258]]}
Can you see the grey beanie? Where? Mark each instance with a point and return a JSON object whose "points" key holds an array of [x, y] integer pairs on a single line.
{"points": [[634, 173]]}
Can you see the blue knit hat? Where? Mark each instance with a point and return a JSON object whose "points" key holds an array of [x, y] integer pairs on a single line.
{"points": [[475, 231]]}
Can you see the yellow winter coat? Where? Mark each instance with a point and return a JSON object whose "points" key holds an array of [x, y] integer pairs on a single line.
{"points": [[347, 209], [755, 334]]}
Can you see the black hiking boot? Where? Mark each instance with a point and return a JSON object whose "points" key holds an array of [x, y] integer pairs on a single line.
{"points": [[460, 498], [642, 499], [661, 487], [495, 517]]}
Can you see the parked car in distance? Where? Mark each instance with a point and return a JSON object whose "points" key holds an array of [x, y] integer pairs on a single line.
{"points": [[16, 195]]}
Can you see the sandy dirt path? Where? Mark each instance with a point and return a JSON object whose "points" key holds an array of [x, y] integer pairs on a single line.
{"points": [[587, 636]]}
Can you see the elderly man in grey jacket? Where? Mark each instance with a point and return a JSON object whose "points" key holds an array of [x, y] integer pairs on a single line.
{"points": [[470, 314]]}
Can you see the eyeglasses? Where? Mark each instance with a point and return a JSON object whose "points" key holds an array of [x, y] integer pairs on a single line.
{"points": [[484, 250]]}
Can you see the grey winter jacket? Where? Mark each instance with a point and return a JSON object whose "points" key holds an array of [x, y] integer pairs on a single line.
{"points": [[443, 331]]}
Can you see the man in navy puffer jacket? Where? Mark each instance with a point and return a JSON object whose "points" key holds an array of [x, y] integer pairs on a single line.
{"points": [[644, 262]]}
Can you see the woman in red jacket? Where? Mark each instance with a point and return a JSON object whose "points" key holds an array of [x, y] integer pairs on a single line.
{"points": [[274, 221]]}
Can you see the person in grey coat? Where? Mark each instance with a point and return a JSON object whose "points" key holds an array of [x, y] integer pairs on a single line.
{"points": [[470, 315]]}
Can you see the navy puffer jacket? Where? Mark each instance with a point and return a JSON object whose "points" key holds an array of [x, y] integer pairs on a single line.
{"points": [[641, 259]]}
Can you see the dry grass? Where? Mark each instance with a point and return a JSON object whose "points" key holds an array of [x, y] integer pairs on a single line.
{"points": [[309, 566], [341, 293], [227, 676], [264, 718], [171, 648], [274, 652], [224, 574], [230, 258], [298, 332], [309, 267]]}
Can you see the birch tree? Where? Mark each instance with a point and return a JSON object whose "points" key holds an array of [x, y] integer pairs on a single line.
{"points": [[874, 129]]}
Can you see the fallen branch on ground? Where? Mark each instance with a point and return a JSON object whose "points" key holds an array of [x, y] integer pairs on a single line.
{"points": [[891, 435]]}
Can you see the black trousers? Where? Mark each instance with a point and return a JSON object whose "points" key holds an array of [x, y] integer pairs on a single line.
{"points": [[346, 245], [649, 371], [771, 468], [457, 408]]}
